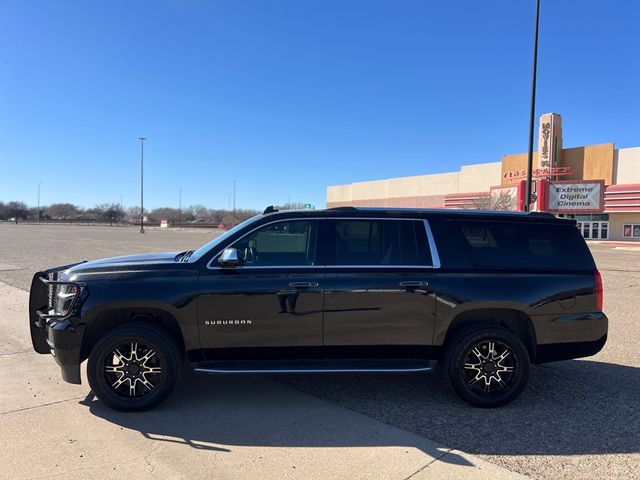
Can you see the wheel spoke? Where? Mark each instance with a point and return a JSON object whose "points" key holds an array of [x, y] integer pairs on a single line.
{"points": [[120, 381], [120, 357], [146, 357], [478, 354], [134, 351], [146, 382], [132, 388], [505, 369], [503, 355]]}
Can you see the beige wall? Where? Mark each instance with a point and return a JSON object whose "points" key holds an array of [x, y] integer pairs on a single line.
{"points": [[616, 222], [627, 165], [403, 190], [479, 178]]}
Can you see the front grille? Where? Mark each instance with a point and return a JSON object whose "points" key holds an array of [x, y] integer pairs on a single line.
{"points": [[52, 289]]}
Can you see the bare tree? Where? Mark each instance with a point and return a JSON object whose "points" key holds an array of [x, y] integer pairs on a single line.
{"points": [[62, 211], [504, 200], [110, 212], [17, 210]]}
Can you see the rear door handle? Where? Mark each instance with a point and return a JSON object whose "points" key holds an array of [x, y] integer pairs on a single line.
{"points": [[303, 284], [414, 284]]}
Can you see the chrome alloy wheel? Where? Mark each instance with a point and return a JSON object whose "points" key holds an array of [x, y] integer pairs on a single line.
{"points": [[133, 369], [489, 367]]}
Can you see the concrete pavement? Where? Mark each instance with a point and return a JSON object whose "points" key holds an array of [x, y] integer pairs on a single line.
{"points": [[212, 427]]}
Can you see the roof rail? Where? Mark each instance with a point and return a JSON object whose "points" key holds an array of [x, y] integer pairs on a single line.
{"points": [[343, 208], [269, 209]]}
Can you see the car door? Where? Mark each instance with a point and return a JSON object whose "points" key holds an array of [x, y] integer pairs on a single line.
{"points": [[379, 292], [269, 306]]}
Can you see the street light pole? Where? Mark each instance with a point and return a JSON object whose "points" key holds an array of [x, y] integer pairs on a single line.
{"points": [[142, 139], [527, 194], [39, 200], [180, 207]]}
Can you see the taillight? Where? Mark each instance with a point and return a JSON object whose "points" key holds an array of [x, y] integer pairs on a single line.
{"points": [[599, 291]]}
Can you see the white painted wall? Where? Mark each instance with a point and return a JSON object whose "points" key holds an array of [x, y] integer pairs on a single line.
{"points": [[627, 165]]}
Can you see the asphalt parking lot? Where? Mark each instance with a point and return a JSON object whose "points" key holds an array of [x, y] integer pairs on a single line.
{"points": [[577, 419]]}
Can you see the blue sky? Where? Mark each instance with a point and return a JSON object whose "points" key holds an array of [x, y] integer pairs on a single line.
{"points": [[287, 97]]}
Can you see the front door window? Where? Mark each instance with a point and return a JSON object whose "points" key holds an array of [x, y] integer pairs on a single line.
{"points": [[279, 244]]}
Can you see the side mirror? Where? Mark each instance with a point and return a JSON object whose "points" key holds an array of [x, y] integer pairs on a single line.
{"points": [[229, 258]]}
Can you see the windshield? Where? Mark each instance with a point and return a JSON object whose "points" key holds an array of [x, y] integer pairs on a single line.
{"points": [[197, 254]]}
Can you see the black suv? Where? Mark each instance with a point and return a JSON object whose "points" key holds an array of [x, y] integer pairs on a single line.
{"points": [[337, 290]]}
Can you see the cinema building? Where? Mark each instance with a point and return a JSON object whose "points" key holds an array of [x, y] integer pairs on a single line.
{"points": [[597, 185]]}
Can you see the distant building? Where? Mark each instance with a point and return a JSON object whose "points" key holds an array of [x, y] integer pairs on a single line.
{"points": [[598, 185]]}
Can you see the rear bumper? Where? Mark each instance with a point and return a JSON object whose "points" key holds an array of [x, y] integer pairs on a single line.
{"points": [[553, 352], [570, 336]]}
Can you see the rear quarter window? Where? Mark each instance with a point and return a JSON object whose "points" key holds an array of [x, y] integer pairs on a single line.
{"points": [[504, 244]]}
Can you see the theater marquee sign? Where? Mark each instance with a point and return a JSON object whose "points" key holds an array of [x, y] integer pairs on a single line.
{"points": [[575, 196]]}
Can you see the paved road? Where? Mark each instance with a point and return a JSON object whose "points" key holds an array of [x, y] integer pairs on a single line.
{"points": [[577, 419]]}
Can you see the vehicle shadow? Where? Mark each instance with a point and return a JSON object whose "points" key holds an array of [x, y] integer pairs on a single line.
{"points": [[569, 408], [218, 413]]}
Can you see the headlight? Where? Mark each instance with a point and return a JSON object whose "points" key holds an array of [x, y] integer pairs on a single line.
{"points": [[65, 299]]}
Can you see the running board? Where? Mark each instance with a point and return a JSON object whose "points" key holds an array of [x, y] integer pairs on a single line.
{"points": [[316, 366]]}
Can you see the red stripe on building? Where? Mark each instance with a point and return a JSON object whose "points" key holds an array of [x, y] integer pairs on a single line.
{"points": [[622, 198], [470, 200]]}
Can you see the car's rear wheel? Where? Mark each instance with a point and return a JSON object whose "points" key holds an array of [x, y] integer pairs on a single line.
{"points": [[487, 366], [134, 367]]}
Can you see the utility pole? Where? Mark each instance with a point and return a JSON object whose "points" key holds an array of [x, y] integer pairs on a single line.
{"points": [[528, 189], [142, 139], [234, 199], [39, 200]]}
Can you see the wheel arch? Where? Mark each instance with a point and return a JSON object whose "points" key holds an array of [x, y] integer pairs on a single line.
{"points": [[117, 315], [516, 321]]}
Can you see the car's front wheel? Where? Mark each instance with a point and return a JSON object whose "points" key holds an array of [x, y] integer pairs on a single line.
{"points": [[134, 367], [487, 366]]}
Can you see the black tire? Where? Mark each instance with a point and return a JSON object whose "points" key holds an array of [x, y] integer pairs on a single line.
{"points": [[125, 362], [489, 378]]}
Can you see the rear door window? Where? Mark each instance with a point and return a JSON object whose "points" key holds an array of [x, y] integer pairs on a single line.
{"points": [[513, 244], [380, 242]]}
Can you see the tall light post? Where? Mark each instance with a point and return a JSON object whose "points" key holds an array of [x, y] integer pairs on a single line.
{"points": [[39, 183], [180, 207], [234, 199], [142, 139], [528, 189]]}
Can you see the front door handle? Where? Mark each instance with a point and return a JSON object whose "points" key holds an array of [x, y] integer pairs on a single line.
{"points": [[303, 284], [414, 284]]}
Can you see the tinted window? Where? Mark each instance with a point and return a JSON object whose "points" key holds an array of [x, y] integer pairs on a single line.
{"points": [[511, 244], [380, 242], [282, 243]]}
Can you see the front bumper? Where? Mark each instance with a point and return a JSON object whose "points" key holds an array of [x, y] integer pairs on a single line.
{"points": [[59, 335]]}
